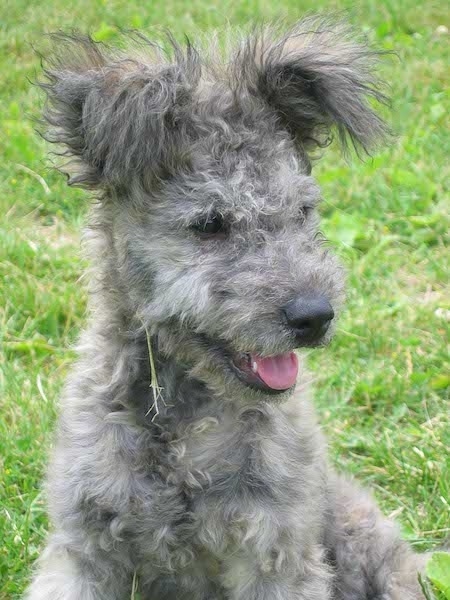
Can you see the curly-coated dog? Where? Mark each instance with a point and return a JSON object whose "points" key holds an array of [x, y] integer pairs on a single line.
{"points": [[187, 466]]}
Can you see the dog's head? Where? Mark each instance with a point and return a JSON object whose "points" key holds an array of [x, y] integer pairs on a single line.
{"points": [[209, 203]]}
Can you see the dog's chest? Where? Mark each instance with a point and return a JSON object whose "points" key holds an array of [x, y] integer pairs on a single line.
{"points": [[244, 455], [239, 474]]}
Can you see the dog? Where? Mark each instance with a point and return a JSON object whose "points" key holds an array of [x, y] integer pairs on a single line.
{"points": [[187, 465]]}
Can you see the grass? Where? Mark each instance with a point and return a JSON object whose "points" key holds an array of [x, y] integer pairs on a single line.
{"points": [[382, 388]]}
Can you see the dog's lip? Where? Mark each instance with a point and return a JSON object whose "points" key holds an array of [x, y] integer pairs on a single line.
{"points": [[243, 365]]}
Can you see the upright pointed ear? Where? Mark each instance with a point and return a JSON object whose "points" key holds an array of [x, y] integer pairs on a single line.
{"points": [[116, 116], [317, 78]]}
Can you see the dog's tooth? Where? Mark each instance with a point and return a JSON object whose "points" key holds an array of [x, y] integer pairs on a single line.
{"points": [[254, 366]]}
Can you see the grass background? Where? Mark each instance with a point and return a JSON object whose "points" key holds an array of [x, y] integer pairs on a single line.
{"points": [[382, 386]]}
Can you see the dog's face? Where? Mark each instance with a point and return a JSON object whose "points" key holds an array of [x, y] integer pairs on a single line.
{"points": [[233, 253], [209, 199]]}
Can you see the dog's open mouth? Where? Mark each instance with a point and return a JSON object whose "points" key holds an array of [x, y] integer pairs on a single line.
{"points": [[273, 374]]}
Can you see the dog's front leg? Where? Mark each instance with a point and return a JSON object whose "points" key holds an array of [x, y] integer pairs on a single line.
{"points": [[66, 574], [371, 561], [247, 579]]}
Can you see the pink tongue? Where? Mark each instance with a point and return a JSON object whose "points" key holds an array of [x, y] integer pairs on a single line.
{"points": [[277, 372]]}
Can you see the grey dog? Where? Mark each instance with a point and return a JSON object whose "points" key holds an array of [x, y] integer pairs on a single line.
{"points": [[187, 466]]}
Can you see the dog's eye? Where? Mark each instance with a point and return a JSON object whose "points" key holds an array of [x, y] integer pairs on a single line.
{"points": [[305, 212], [209, 226]]}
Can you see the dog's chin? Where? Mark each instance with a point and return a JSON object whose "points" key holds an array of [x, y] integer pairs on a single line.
{"points": [[216, 362], [264, 372], [270, 373]]}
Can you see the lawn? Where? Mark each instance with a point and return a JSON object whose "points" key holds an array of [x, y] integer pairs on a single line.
{"points": [[382, 385]]}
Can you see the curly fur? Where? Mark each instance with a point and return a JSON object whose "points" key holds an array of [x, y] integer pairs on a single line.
{"points": [[225, 492]]}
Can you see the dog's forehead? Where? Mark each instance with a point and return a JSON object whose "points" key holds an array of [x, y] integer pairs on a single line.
{"points": [[246, 181]]}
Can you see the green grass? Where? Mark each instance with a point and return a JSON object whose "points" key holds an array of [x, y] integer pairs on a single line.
{"points": [[382, 386]]}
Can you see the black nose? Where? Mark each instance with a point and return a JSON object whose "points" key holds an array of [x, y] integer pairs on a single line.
{"points": [[309, 317]]}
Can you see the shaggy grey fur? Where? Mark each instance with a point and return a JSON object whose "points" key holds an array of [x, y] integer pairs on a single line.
{"points": [[207, 488]]}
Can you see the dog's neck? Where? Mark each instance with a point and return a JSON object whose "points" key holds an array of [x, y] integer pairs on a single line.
{"points": [[162, 393]]}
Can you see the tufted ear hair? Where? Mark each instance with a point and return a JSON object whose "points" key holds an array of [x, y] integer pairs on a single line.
{"points": [[115, 115], [316, 78]]}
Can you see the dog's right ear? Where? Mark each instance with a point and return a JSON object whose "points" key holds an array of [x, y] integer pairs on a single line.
{"points": [[116, 116]]}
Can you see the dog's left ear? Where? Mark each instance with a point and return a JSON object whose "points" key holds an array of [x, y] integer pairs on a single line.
{"points": [[316, 78]]}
